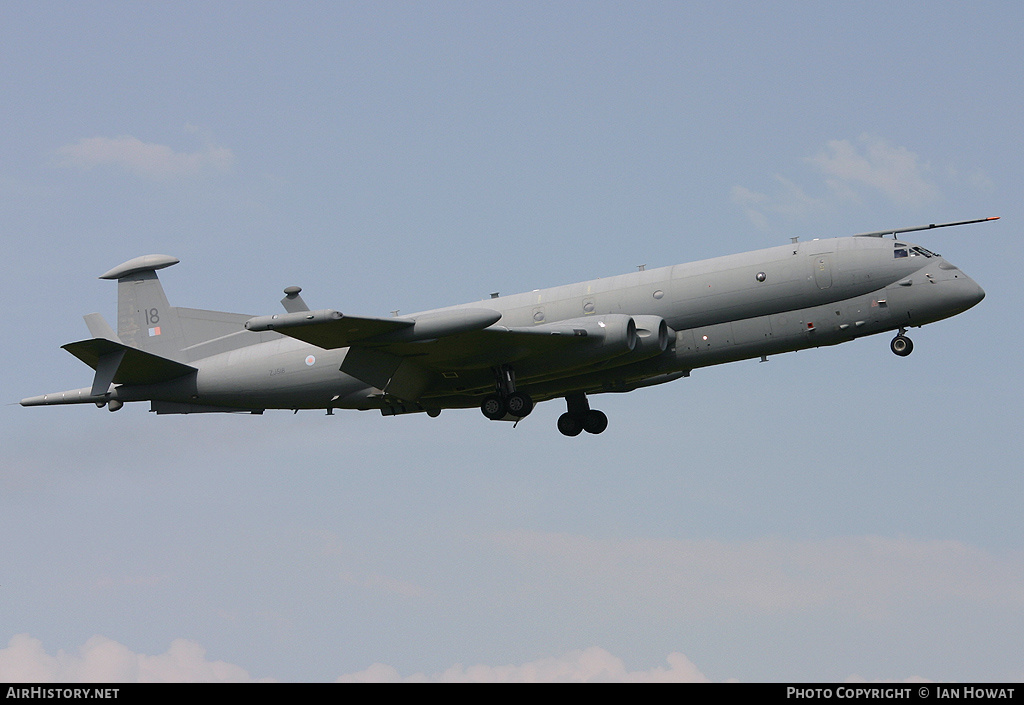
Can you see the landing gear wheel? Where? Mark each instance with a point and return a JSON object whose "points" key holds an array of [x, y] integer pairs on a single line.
{"points": [[595, 421], [902, 345], [494, 407], [519, 404], [570, 424]]}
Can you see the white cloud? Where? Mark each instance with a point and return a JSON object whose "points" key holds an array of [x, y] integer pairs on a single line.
{"points": [[912, 679], [850, 172], [789, 201], [894, 171], [593, 665], [102, 660], [147, 159], [752, 203]]}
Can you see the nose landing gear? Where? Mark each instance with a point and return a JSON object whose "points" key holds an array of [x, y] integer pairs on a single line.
{"points": [[901, 344]]}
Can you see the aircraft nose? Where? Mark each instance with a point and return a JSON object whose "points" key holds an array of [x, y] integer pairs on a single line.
{"points": [[974, 292], [968, 293], [980, 293]]}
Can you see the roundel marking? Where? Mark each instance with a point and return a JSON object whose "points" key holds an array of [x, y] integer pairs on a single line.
{"points": [[310, 360]]}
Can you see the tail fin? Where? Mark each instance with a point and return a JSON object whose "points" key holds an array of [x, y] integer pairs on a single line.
{"points": [[145, 320]]}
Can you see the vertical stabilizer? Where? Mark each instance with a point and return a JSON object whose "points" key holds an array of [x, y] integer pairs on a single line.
{"points": [[145, 319]]}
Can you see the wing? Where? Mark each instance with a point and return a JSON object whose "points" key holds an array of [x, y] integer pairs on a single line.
{"points": [[331, 329], [454, 349]]}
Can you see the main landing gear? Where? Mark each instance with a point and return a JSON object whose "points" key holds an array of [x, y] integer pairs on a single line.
{"points": [[506, 401], [580, 417], [901, 344]]}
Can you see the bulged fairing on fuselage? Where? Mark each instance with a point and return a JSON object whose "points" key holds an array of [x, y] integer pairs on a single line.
{"points": [[546, 343]]}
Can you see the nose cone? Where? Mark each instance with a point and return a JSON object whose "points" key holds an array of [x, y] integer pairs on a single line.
{"points": [[965, 293], [974, 294], [980, 293]]}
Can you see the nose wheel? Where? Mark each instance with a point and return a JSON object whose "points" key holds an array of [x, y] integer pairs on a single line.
{"points": [[901, 344]]}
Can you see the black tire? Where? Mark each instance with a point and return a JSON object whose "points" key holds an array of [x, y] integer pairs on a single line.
{"points": [[595, 421], [493, 407], [519, 404], [570, 425], [902, 345]]}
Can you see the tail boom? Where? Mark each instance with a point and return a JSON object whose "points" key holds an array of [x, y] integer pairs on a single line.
{"points": [[72, 396]]}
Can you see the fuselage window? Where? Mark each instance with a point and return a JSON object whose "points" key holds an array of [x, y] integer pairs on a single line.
{"points": [[899, 253]]}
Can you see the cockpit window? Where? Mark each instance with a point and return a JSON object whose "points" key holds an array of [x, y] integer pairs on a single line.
{"points": [[902, 250]]}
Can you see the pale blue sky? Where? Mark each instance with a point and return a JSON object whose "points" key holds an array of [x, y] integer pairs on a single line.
{"points": [[831, 514]]}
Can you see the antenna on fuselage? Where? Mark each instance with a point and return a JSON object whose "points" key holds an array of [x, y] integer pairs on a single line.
{"points": [[883, 233]]}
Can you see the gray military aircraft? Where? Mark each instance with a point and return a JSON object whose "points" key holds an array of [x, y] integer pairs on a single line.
{"points": [[506, 353]]}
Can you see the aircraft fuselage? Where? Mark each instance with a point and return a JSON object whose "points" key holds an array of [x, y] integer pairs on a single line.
{"points": [[742, 306]]}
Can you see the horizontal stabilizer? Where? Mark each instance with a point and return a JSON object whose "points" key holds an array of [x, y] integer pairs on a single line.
{"points": [[134, 366]]}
